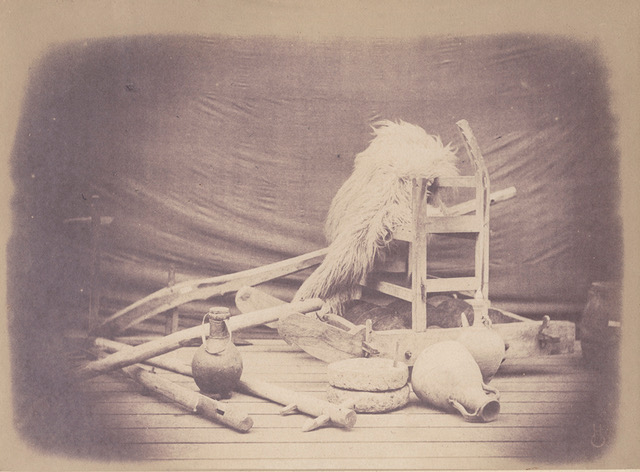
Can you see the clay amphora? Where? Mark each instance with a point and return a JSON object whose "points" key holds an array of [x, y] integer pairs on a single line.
{"points": [[487, 348], [217, 365], [446, 376]]}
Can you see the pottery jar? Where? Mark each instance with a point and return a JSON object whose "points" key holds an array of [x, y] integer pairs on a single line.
{"points": [[446, 375], [487, 348]]}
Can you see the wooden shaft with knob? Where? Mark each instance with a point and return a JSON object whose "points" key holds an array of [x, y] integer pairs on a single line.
{"points": [[194, 401], [308, 404]]}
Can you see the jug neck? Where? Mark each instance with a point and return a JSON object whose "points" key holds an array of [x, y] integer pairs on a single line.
{"points": [[219, 335]]}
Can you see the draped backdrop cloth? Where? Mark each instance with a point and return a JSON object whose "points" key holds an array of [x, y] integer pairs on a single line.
{"points": [[219, 154]]}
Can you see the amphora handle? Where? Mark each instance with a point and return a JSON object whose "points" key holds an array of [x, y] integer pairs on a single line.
{"points": [[491, 390], [488, 408]]}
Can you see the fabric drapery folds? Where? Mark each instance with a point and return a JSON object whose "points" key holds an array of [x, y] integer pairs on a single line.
{"points": [[217, 155]]}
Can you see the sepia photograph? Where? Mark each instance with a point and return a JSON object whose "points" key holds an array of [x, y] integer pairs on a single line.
{"points": [[289, 235]]}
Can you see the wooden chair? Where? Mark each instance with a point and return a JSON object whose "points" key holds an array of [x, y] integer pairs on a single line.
{"points": [[455, 222]]}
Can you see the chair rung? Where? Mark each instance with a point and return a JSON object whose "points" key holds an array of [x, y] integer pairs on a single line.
{"points": [[442, 224], [452, 284], [469, 181]]}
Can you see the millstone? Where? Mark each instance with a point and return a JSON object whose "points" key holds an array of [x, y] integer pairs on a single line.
{"points": [[370, 402], [372, 374]]}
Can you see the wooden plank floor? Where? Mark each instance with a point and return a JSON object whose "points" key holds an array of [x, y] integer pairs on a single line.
{"points": [[547, 418]]}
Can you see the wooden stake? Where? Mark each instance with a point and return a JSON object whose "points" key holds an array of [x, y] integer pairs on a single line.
{"points": [[315, 423], [150, 349], [322, 420], [308, 404]]}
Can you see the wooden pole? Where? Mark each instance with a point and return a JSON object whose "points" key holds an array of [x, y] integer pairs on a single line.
{"points": [[470, 206], [161, 361], [94, 289], [194, 401], [150, 349], [324, 411], [173, 316]]}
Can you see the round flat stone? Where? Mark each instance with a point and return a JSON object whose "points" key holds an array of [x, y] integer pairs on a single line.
{"points": [[370, 374], [370, 402]]}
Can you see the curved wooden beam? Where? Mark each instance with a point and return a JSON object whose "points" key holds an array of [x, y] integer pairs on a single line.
{"points": [[202, 289]]}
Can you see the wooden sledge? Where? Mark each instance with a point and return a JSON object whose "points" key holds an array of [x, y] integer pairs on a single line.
{"points": [[331, 338]]}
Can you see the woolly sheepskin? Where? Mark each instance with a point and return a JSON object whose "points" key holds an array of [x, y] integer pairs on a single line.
{"points": [[372, 203]]}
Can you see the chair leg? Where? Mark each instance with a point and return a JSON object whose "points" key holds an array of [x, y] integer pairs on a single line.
{"points": [[418, 261]]}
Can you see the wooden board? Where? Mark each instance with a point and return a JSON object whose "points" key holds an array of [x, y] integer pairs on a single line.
{"points": [[319, 339]]}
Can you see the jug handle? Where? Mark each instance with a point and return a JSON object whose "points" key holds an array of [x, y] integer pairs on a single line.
{"points": [[489, 389], [463, 411]]}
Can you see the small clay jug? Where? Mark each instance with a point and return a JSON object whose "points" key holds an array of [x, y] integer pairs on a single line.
{"points": [[446, 376], [217, 365], [487, 348]]}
